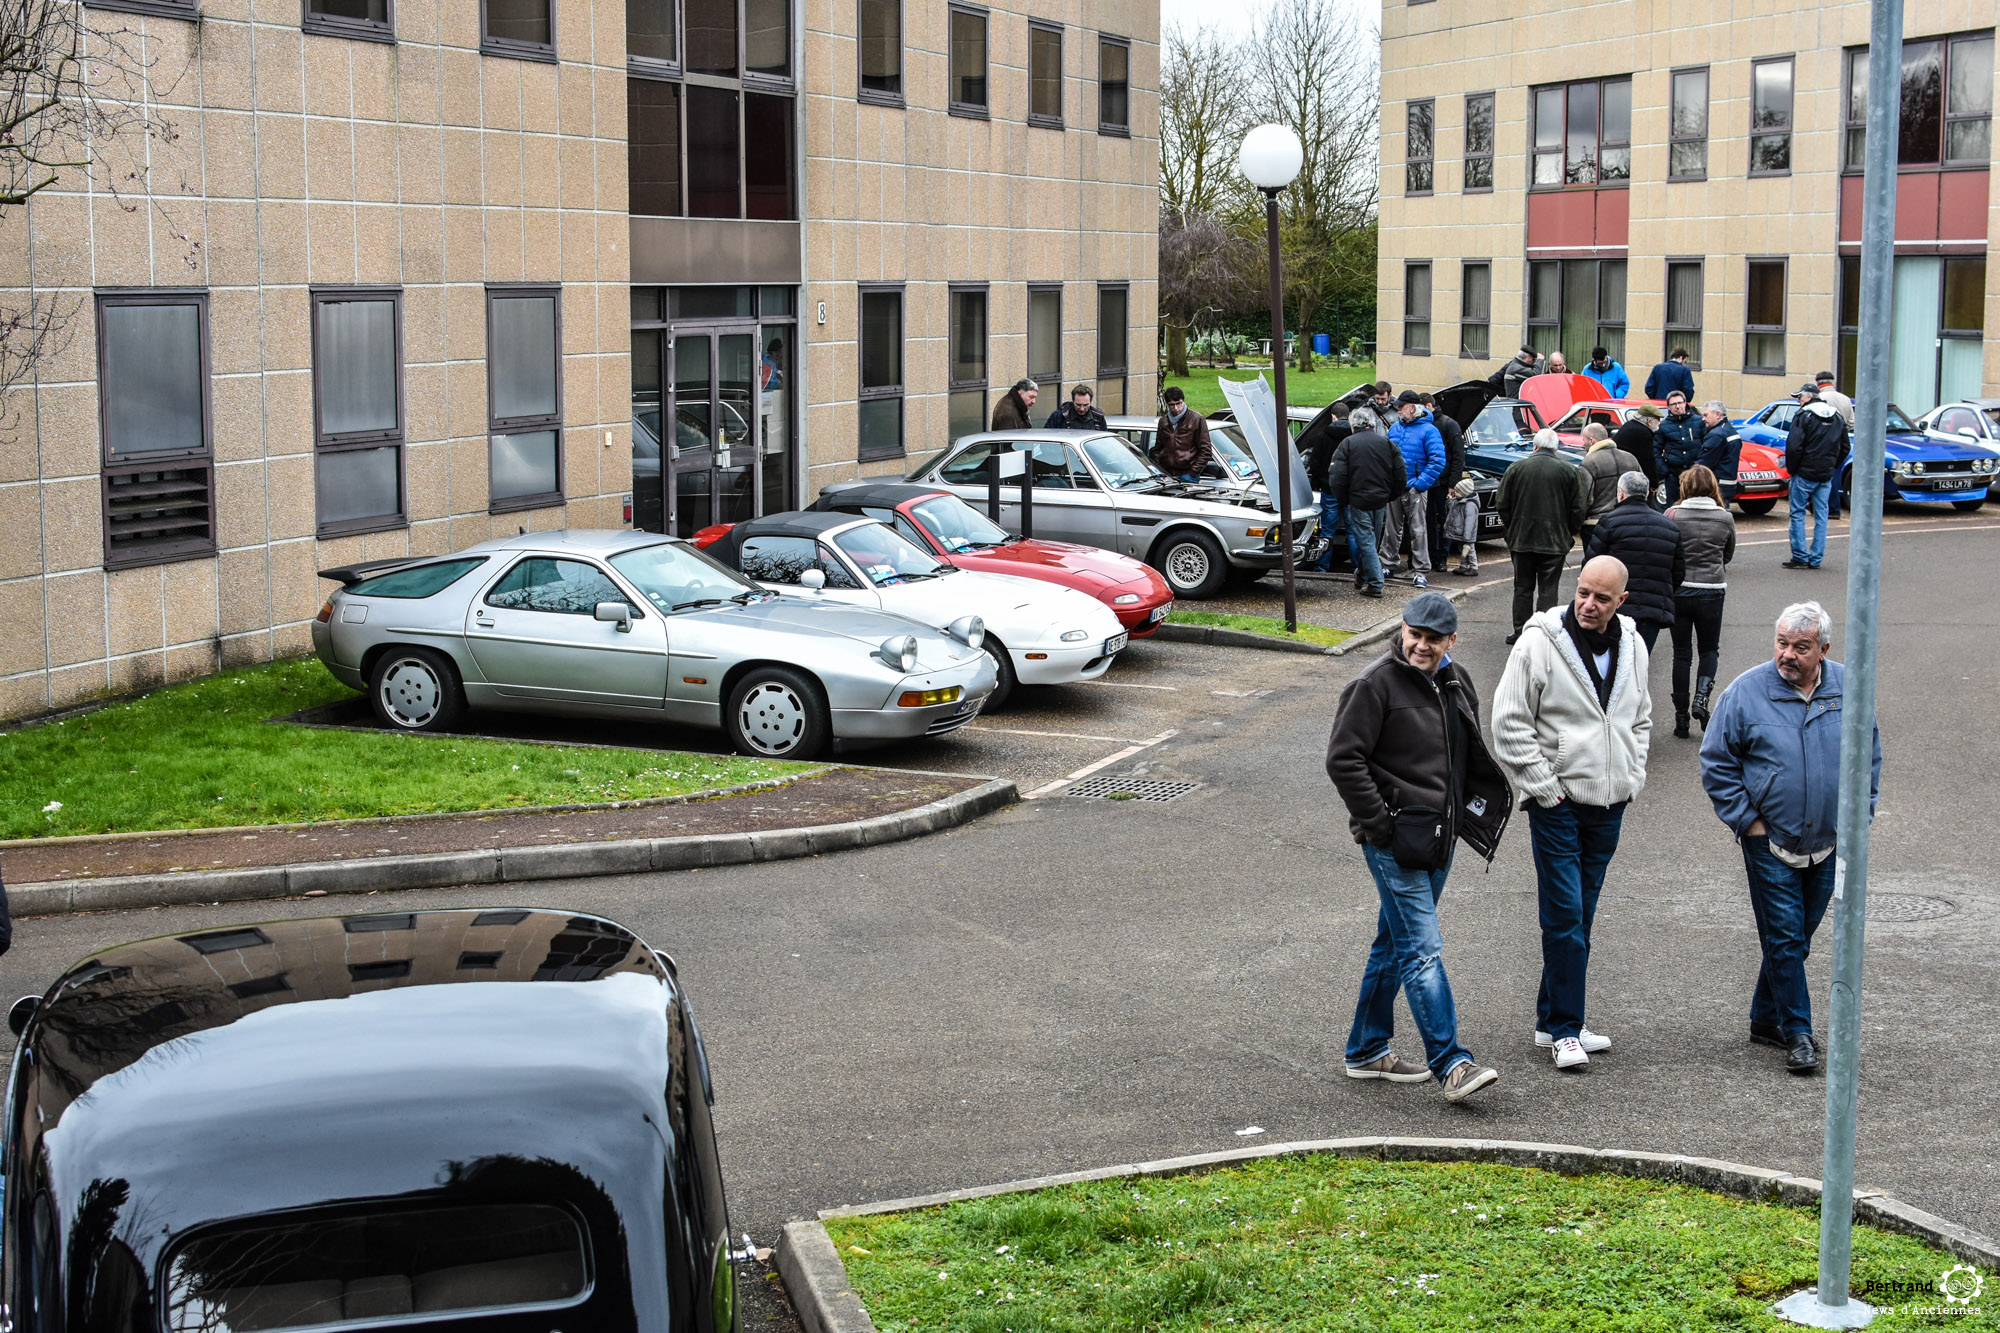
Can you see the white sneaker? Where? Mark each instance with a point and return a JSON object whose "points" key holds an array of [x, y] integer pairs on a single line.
{"points": [[1592, 1042], [1569, 1053]]}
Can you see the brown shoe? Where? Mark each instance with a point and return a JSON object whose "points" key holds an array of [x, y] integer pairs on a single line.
{"points": [[1467, 1078], [1392, 1067]]}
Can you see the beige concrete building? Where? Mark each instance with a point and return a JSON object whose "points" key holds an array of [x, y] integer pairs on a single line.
{"points": [[1649, 176], [400, 276]]}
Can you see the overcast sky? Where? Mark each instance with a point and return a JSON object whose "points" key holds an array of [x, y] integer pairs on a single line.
{"points": [[1227, 16]]}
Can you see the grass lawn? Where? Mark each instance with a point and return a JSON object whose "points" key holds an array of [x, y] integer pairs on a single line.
{"points": [[201, 755], [1270, 625], [1326, 383], [1310, 1243]]}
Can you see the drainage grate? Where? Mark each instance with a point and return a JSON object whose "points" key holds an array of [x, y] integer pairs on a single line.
{"points": [[1907, 907], [1130, 789]]}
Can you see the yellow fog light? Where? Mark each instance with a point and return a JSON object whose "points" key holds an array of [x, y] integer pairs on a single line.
{"points": [[929, 698]]}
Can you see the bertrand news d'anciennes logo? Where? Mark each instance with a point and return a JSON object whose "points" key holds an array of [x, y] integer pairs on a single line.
{"points": [[1959, 1289]]}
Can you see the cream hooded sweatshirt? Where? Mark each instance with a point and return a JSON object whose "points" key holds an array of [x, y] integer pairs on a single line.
{"points": [[1550, 736]]}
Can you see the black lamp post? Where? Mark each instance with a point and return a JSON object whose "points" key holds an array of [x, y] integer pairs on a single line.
{"points": [[1270, 160]]}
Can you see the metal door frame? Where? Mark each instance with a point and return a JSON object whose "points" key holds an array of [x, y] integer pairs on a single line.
{"points": [[712, 330]]}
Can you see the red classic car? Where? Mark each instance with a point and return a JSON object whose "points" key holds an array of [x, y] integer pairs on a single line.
{"points": [[940, 522], [1761, 479]]}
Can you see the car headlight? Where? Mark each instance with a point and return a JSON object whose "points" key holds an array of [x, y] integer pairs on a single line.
{"points": [[1126, 599], [1916, 467], [968, 630], [1989, 465], [900, 651], [1075, 635]]}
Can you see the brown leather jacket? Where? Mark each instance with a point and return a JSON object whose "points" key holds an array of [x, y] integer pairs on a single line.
{"points": [[1390, 748], [1183, 448]]}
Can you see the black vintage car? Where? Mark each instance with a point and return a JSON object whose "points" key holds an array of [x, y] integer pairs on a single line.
{"points": [[454, 1120]]}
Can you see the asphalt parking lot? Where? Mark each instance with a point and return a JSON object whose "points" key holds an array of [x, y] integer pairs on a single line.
{"points": [[1077, 982]]}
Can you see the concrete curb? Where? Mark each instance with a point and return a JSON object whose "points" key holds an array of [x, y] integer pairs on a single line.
{"points": [[1240, 638], [506, 864], [816, 1281], [1375, 633]]}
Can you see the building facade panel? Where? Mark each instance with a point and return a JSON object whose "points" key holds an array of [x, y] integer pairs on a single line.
{"points": [[1729, 152]]}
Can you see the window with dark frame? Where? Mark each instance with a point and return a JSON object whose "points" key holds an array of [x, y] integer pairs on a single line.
{"points": [[967, 328], [173, 9], [1764, 318], [368, 20], [1545, 306], [1417, 309], [1420, 153], [709, 135], [1114, 317], [653, 32], [1475, 309], [881, 48], [1575, 305], [1045, 338], [155, 420], [357, 356], [1045, 75], [1114, 85], [1478, 142], [1610, 333], [1771, 117], [1947, 103], [1684, 297], [1687, 126], [880, 410], [967, 90], [524, 397], [521, 29], [1582, 134]]}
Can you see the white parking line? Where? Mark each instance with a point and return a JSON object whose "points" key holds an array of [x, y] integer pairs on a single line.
{"points": [[1061, 735], [1131, 685], [1105, 762]]}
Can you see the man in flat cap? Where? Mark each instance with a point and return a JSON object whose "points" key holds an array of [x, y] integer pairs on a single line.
{"points": [[1407, 759]]}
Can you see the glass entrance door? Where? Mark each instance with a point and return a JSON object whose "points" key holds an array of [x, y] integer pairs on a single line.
{"points": [[713, 475]]}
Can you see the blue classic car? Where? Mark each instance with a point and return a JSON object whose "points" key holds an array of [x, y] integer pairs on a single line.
{"points": [[1922, 467]]}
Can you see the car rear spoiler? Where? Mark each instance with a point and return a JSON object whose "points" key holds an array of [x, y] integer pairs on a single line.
{"points": [[349, 575]]}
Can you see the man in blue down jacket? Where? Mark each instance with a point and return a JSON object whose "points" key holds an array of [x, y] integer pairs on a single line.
{"points": [[1771, 765], [1423, 463]]}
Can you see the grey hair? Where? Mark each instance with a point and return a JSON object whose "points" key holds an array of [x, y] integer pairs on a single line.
{"points": [[1801, 616], [1631, 484], [1364, 418], [1716, 405], [1546, 439]]}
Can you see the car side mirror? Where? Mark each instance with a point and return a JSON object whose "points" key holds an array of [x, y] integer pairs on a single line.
{"points": [[21, 1012], [813, 579], [615, 613], [1968, 432]]}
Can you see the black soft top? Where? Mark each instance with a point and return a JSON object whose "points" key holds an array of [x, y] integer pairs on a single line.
{"points": [[873, 495]]}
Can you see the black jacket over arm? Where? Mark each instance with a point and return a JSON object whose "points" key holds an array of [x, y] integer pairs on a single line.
{"points": [[1636, 438], [1650, 545], [1367, 471]]}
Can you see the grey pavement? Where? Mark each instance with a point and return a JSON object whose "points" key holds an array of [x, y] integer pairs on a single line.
{"points": [[1073, 983]]}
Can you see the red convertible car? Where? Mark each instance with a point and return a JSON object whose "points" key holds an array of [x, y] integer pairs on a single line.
{"points": [[940, 522]]}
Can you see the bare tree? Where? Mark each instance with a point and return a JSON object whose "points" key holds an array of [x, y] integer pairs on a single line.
{"points": [[1204, 265], [1317, 71], [1205, 99], [76, 100]]}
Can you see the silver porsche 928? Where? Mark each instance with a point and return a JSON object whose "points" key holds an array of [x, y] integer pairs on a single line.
{"points": [[635, 625]]}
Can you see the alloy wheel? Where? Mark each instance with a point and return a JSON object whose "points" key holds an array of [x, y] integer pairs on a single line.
{"points": [[773, 718], [1187, 566], [411, 693]]}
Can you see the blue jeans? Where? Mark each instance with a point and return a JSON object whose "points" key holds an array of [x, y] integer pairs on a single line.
{"points": [[1789, 904], [1814, 496], [1330, 510], [1364, 530], [1573, 847], [1408, 955]]}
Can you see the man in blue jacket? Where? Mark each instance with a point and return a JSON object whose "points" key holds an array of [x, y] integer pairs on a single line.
{"points": [[1771, 765], [1423, 462], [1608, 373], [1671, 374]]}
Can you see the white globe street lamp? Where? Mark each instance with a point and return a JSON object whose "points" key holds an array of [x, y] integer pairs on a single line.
{"points": [[1270, 160]]}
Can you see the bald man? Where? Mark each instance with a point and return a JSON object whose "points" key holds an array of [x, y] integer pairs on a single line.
{"points": [[1571, 722]]}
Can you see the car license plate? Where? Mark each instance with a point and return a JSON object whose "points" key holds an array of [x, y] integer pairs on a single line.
{"points": [[968, 706], [1756, 476], [1160, 612], [1115, 642], [1947, 483]]}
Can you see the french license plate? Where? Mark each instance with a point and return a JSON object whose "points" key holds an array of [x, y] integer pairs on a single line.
{"points": [[1948, 483], [1160, 612], [1115, 642], [969, 706], [1756, 476]]}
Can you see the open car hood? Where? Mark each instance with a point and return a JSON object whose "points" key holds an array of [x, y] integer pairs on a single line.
{"points": [[1464, 402], [1256, 409]]}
